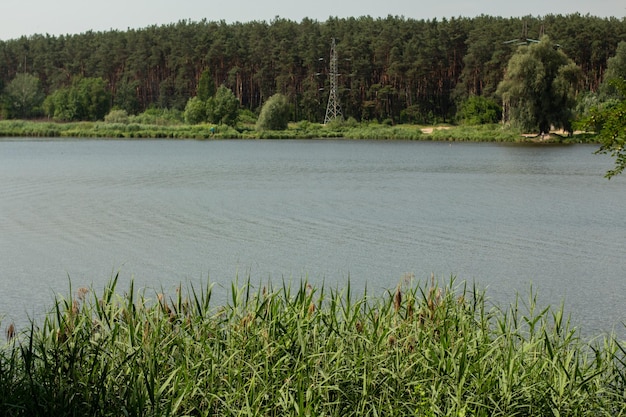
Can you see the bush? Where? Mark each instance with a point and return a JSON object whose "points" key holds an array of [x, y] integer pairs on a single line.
{"points": [[195, 111], [247, 117], [351, 122], [336, 124], [117, 116], [478, 110], [274, 114], [160, 117]]}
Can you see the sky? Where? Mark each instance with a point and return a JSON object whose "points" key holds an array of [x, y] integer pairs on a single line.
{"points": [[55, 17]]}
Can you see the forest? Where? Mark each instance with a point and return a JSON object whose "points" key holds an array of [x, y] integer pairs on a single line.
{"points": [[394, 69]]}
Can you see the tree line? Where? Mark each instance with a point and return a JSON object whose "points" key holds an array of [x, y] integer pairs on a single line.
{"points": [[395, 68]]}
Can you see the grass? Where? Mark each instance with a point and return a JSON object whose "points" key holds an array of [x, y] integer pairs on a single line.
{"points": [[145, 127], [295, 350], [21, 128]]}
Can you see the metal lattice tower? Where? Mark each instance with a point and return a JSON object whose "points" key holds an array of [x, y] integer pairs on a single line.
{"points": [[333, 110]]}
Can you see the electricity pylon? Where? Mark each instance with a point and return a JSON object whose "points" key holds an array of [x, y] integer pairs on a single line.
{"points": [[333, 109]]}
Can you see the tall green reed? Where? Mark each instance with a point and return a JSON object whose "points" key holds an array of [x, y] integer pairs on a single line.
{"points": [[424, 348]]}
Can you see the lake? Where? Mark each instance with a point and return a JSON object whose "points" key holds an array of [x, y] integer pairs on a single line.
{"points": [[163, 212]]}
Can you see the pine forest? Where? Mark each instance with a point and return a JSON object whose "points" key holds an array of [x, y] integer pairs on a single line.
{"points": [[399, 69]]}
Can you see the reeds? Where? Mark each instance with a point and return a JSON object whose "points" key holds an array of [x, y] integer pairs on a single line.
{"points": [[422, 349], [133, 130], [150, 125]]}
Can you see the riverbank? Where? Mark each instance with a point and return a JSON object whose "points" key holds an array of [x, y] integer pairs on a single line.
{"points": [[301, 130], [420, 349]]}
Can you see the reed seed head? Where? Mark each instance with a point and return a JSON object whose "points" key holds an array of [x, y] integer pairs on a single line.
{"points": [[397, 299], [146, 330], [75, 306], [10, 331], [163, 302], [81, 293], [62, 336], [247, 320]]}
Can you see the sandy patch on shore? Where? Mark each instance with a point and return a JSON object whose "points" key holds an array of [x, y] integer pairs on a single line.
{"points": [[429, 130]]}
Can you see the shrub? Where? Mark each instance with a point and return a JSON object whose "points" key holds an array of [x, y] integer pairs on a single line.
{"points": [[117, 116], [195, 111], [157, 116], [274, 114], [478, 110], [247, 116]]}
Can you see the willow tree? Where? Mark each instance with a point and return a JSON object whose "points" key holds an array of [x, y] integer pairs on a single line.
{"points": [[274, 113], [539, 88]]}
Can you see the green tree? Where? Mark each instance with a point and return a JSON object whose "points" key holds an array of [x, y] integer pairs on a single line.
{"points": [[389, 67], [610, 123], [539, 87], [85, 99], [206, 87], [93, 98], [615, 70], [274, 114], [24, 95], [477, 110], [223, 108], [126, 95], [608, 94], [59, 106], [195, 111]]}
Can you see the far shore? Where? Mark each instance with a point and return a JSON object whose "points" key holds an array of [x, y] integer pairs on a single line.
{"points": [[299, 130]]}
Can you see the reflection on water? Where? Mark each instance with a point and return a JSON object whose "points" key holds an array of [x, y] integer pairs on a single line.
{"points": [[170, 211]]}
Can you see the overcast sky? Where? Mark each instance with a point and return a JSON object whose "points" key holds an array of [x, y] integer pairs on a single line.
{"points": [[55, 17]]}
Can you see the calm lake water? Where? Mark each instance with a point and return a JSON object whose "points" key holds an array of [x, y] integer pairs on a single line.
{"points": [[163, 212]]}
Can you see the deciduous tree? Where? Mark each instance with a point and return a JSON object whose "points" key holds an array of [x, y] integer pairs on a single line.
{"points": [[615, 70], [85, 99], [223, 108], [196, 111], [539, 87], [610, 123], [389, 66], [206, 87], [24, 95], [274, 114]]}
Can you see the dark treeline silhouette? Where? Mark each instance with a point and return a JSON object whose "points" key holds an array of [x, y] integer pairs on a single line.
{"points": [[397, 68]]}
